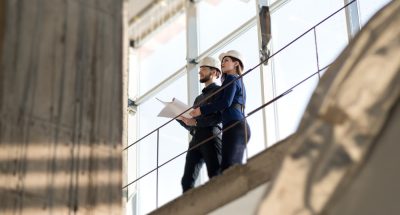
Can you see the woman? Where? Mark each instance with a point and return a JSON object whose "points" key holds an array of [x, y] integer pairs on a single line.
{"points": [[231, 103]]}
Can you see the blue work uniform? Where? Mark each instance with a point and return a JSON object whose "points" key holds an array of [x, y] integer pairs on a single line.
{"points": [[231, 102]]}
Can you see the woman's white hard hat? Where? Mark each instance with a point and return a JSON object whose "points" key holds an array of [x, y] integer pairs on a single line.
{"points": [[231, 53]]}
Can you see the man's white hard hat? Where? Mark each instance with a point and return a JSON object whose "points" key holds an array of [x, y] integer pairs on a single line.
{"points": [[211, 62]]}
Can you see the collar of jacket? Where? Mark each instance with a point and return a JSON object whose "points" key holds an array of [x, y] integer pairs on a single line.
{"points": [[209, 87]]}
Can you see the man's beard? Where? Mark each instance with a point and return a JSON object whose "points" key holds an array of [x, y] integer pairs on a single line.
{"points": [[205, 79]]}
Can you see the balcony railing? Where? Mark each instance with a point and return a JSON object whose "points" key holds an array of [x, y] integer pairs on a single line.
{"points": [[156, 131]]}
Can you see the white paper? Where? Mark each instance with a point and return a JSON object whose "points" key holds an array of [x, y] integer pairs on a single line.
{"points": [[174, 108]]}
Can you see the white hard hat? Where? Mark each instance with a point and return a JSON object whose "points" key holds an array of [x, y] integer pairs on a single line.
{"points": [[211, 62], [232, 53]]}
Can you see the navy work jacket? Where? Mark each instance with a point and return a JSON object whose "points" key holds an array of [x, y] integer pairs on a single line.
{"points": [[207, 124], [227, 101]]}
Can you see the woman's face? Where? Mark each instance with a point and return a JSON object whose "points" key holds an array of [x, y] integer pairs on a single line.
{"points": [[228, 65]]}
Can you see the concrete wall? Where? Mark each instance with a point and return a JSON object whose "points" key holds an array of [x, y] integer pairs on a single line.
{"points": [[344, 155], [375, 189], [61, 106], [221, 195]]}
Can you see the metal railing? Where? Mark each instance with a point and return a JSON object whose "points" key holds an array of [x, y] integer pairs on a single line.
{"points": [[312, 29]]}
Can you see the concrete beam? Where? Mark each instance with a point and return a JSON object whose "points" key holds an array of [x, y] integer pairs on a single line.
{"points": [[232, 184], [61, 107]]}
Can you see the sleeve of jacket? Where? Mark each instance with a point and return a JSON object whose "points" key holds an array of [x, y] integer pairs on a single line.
{"points": [[189, 128], [209, 120], [225, 100]]}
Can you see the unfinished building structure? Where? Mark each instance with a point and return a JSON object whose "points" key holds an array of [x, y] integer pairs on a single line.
{"points": [[61, 99]]}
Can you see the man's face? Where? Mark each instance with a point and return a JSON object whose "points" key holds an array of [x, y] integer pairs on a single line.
{"points": [[205, 74]]}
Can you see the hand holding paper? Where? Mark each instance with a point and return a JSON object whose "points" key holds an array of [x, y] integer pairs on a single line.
{"points": [[174, 108], [189, 122], [195, 112]]}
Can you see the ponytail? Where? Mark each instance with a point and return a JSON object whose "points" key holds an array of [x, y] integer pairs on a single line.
{"points": [[239, 68]]}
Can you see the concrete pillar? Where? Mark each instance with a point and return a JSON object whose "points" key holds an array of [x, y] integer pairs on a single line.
{"points": [[61, 106], [344, 156]]}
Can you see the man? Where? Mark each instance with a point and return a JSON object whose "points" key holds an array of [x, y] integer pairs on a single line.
{"points": [[203, 127]]}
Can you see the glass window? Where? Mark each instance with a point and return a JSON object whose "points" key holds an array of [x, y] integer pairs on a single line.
{"points": [[270, 1], [173, 140], [292, 65], [169, 182], [149, 110], [162, 55], [131, 191], [218, 18], [131, 128], [297, 16], [165, 53], [332, 38], [369, 8], [292, 106], [146, 201], [299, 60]]}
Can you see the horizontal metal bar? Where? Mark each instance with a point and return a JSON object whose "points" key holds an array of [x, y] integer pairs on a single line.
{"points": [[163, 84], [239, 31], [219, 45], [212, 50], [229, 38], [277, 4]]}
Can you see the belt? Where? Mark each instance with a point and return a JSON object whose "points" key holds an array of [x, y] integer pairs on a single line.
{"points": [[194, 131], [238, 106]]}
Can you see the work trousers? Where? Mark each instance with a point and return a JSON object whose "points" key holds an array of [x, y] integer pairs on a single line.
{"points": [[209, 153], [234, 144]]}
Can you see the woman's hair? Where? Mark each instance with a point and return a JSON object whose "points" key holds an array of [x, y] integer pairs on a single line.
{"points": [[239, 69]]}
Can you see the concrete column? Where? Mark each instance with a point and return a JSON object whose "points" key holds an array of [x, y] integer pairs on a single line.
{"points": [[192, 51], [352, 19], [61, 106]]}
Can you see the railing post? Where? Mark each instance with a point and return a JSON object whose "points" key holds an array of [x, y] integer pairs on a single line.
{"points": [[352, 18], [316, 51], [158, 141], [263, 76]]}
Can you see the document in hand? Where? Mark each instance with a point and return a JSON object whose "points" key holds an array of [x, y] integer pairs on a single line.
{"points": [[174, 108]]}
